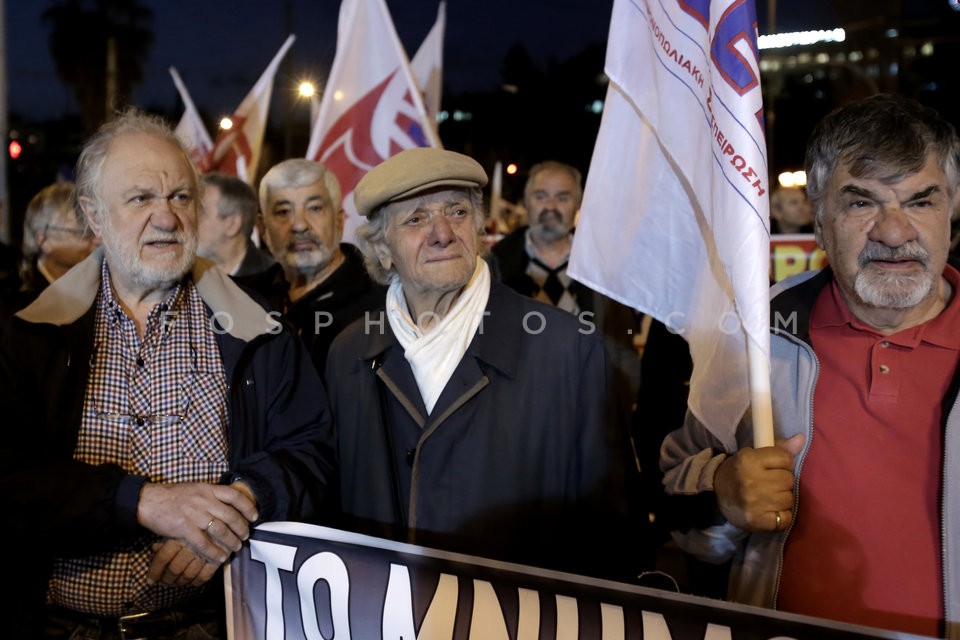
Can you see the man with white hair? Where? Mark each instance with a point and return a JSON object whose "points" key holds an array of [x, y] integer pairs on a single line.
{"points": [[154, 413], [327, 285], [853, 514], [469, 417]]}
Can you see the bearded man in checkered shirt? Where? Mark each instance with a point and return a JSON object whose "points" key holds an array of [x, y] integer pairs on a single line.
{"points": [[153, 414]]}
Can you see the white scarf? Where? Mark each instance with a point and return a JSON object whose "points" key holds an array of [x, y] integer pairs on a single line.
{"points": [[434, 355]]}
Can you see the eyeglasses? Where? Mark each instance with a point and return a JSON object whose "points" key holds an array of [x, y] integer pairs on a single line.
{"points": [[82, 232], [154, 420]]}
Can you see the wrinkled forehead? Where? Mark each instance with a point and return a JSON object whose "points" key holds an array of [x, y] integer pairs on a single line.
{"points": [[299, 193], [888, 173], [136, 154], [441, 196]]}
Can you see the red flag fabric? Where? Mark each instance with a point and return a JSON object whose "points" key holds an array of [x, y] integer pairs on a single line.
{"points": [[371, 107]]}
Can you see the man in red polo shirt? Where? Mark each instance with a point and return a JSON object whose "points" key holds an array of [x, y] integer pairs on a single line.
{"points": [[854, 515]]}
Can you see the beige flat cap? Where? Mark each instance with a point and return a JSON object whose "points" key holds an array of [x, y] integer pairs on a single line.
{"points": [[414, 171]]}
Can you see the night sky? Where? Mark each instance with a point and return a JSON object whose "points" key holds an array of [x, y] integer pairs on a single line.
{"points": [[220, 47]]}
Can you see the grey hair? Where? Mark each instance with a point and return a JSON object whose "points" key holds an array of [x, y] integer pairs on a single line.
{"points": [[883, 137], [372, 237], [42, 208], [236, 198], [553, 165], [94, 154], [298, 172]]}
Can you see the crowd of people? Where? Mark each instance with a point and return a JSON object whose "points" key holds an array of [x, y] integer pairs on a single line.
{"points": [[183, 357]]}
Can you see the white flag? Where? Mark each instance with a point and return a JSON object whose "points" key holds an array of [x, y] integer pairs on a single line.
{"points": [[236, 150], [675, 216], [190, 129], [371, 107], [427, 64]]}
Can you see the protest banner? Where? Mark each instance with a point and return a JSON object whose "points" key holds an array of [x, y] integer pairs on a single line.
{"points": [[791, 254], [303, 582]]}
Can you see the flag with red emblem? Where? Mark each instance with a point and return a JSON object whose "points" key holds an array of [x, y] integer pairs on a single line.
{"points": [[371, 107], [236, 151]]}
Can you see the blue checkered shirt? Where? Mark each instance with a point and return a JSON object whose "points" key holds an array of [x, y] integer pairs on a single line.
{"points": [[157, 407]]}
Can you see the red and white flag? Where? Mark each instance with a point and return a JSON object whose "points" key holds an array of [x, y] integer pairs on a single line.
{"points": [[427, 64], [371, 107], [190, 129], [675, 215], [236, 151]]}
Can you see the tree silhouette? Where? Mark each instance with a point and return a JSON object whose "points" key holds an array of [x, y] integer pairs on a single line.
{"points": [[81, 33]]}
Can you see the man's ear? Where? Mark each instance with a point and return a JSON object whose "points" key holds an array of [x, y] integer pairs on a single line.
{"points": [[818, 231], [89, 209], [383, 255], [234, 225]]}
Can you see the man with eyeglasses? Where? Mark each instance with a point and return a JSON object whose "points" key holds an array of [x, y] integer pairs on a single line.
{"points": [[153, 412], [55, 238]]}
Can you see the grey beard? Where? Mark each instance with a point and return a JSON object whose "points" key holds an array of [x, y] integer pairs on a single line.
{"points": [[893, 291]]}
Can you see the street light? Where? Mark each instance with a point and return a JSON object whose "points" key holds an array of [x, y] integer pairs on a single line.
{"points": [[226, 123], [307, 89], [792, 179]]}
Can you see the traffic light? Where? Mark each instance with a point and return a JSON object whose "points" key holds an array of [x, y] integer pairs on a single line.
{"points": [[15, 149]]}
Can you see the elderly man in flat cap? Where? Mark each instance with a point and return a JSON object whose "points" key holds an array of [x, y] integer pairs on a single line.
{"points": [[470, 418]]}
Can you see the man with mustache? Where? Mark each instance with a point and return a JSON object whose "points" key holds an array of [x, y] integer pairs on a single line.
{"points": [[328, 286], [153, 412], [532, 260], [853, 514]]}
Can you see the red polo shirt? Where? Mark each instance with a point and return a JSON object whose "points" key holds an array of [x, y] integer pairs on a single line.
{"points": [[865, 547]]}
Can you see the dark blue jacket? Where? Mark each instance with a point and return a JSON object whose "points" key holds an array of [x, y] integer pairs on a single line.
{"points": [[279, 432], [522, 458]]}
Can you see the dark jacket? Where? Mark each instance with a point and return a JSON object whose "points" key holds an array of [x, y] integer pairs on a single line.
{"points": [[518, 461], [255, 261], [260, 274], [279, 431], [327, 309], [32, 284], [616, 322]]}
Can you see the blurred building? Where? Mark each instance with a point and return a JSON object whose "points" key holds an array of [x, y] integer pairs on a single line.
{"points": [[894, 46]]}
